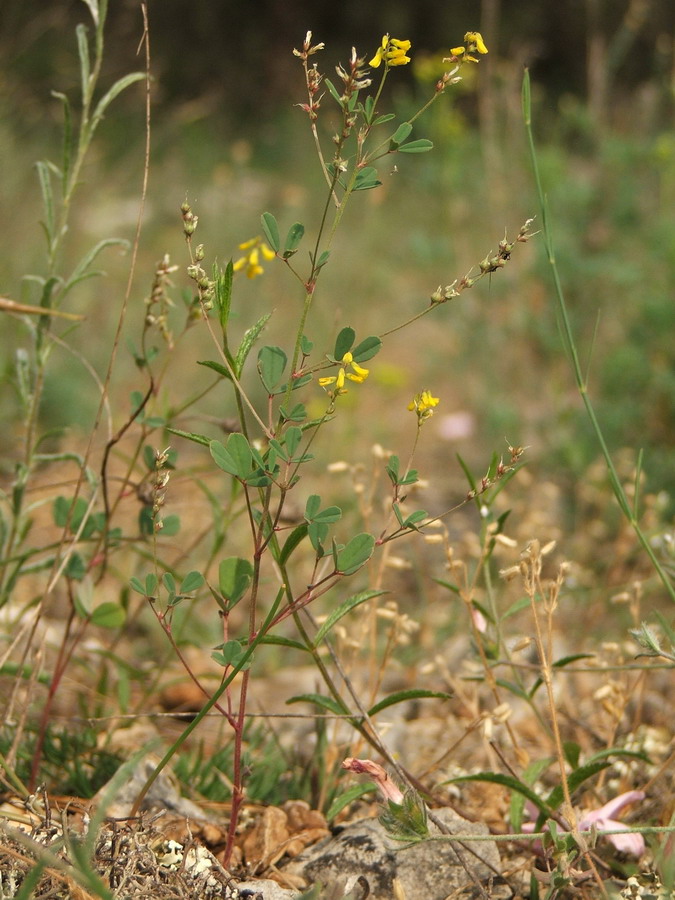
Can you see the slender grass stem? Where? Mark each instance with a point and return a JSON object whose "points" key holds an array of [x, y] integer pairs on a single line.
{"points": [[570, 347]]}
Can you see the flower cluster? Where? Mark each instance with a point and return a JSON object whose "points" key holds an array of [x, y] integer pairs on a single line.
{"points": [[473, 43], [392, 51], [250, 261], [423, 404], [358, 374]]}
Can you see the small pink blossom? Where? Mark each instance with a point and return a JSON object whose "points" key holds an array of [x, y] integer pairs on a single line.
{"points": [[630, 842], [478, 619], [378, 774], [457, 426]]}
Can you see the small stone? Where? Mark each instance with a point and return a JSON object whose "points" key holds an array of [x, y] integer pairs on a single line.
{"points": [[429, 870]]}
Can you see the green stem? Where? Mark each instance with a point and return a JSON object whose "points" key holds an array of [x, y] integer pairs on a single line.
{"points": [[571, 350]]}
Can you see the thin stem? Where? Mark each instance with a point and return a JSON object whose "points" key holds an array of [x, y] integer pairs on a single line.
{"points": [[569, 345]]}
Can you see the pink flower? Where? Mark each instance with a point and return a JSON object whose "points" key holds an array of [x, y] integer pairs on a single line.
{"points": [[630, 842], [376, 772], [478, 619]]}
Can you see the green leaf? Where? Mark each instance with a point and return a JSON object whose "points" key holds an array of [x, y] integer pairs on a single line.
{"points": [[258, 479], [368, 348], [154, 422], [60, 511], [108, 615], [317, 533], [228, 654], [295, 538], [446, 584], [420, 146], [76, 568], [574, 657], [76, 510], [399, 136], [117, 88], [223, 293], [467, 473], [84, 598], [513, 688], [47, 198], [386, 117], [247, 342], [169, 582], [357, 552], [572, 751], [619, 751], [67, 138], [349, 796], [328, 515], [323, 702], [343, 343], [516, 607], [170, 526], [295, 384], [148, 589], [322, 260], [368, 108], [216, 366], [333, 91], [342, 610], [146, 522], [312, 506], [234, 578], [271, 230], [415, 517], [530, 776], [366, 179], [222, 458], [83, 53], [574, 780], [191, 436], [281, 641], [293, 238], [297, 413], [81, 269], [402, 696], [507, 781], [191, 582], [271, 365], [560, 664], [241, 454], [292, 439], [94, 11]]}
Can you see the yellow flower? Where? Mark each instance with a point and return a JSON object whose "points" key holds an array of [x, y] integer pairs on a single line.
{"points": [[250, 261], [358, 374], [474, 43], [423, 405], [393, 51]]}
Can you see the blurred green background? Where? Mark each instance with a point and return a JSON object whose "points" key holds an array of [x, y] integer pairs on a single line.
{"points": [[227, 135]]}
